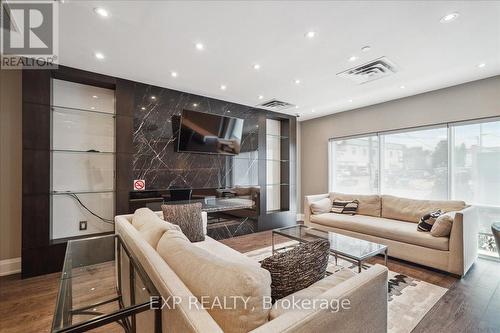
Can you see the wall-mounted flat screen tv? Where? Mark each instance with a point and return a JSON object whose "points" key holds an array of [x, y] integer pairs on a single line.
{"points": [[209, 133]]}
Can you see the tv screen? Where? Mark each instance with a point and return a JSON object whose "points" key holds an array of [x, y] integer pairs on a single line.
{"points": [[209, 133]]}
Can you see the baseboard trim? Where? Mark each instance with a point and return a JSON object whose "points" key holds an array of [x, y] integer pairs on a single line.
{"points": [[10, 266]]}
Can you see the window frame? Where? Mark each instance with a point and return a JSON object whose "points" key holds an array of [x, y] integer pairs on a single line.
{"points": [[381, 140]]}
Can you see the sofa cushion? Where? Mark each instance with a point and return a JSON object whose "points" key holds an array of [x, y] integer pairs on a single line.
{"points": [[214, 279], [412, 210], [283, 305], [367, 204], [151, 226], [400, 231], [321, 206]]}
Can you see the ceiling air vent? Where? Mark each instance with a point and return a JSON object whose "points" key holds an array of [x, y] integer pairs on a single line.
{"points": [[275, 105], [370, 71]]}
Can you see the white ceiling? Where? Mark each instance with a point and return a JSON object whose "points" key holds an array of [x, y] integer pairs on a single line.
{"points": [[146, 40]]}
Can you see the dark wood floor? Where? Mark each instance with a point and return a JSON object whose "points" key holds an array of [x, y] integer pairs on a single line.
{"points": [[472, 304]]}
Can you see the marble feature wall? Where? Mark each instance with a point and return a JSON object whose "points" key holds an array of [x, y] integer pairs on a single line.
{"points": [[156, 122]]}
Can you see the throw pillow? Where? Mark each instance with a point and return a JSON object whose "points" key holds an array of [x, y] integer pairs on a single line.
{"points": [[442, 226], [297, 268], [188, 218], [427, 221], [321, 206], [345, 207]]}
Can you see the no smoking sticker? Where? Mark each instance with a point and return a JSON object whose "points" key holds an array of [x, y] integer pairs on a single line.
{"points": [[139, 185]]}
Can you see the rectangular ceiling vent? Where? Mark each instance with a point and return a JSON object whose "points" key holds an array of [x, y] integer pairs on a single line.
{"points": [[370, 71], [275, 105]]}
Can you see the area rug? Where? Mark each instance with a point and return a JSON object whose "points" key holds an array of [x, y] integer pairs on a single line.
{"points": [[409, 299]]}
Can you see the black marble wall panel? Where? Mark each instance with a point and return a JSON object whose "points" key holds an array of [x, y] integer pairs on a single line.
{"points": [[156, 121]]}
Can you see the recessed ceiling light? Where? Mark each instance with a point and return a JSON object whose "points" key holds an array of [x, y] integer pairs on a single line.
{"points": [[95, 96], [481, 65], [296, 106], [350, 101], [153, 98], [173, 74], [312, 111], [256, 67], [353, 58], [99, 55], [402, 87], [223, 87], [366, 48], [143, 108], [261, 97], [195, 104], [310, 34], [297, 81], [101, 11], [199, 46], [449, 17]]}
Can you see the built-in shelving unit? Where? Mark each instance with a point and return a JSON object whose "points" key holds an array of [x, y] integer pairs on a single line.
{"points": [[82, 159]]}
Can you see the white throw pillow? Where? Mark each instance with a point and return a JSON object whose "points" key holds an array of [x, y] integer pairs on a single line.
{"points": [[151, 226], [321, 206], [212, 278]]}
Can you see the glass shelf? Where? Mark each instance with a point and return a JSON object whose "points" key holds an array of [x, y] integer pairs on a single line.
{"points": [[277, 136], [81, 151], [59, 108], [80, 192]]}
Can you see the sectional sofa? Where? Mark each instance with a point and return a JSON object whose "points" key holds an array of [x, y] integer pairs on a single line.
{"points": [[392, 221], [188, 270]]}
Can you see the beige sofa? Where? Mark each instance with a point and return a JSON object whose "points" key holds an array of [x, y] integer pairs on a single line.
{"points": [[366, 292], [392, 221]]}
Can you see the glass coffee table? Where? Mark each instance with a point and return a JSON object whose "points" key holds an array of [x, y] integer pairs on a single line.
{"points": [[96, 273], [352, 249]]}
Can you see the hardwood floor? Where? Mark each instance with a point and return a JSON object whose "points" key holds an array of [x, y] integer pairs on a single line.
{"points": [[472, 304]]}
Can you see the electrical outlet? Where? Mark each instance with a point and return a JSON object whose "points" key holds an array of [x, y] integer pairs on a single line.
{"points": [[83, 225]]}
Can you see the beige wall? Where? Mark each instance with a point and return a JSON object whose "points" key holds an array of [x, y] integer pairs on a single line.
{"points": [[466, 101], [10, 164]]}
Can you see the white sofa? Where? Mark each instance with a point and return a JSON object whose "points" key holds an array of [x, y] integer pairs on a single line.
{"points": [[366, 292], [392, 221]]}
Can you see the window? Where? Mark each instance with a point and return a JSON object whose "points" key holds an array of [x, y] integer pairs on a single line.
{"points": [[475, 174], [355, 173], [415, 164], [476, 163], [458, 161]]}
